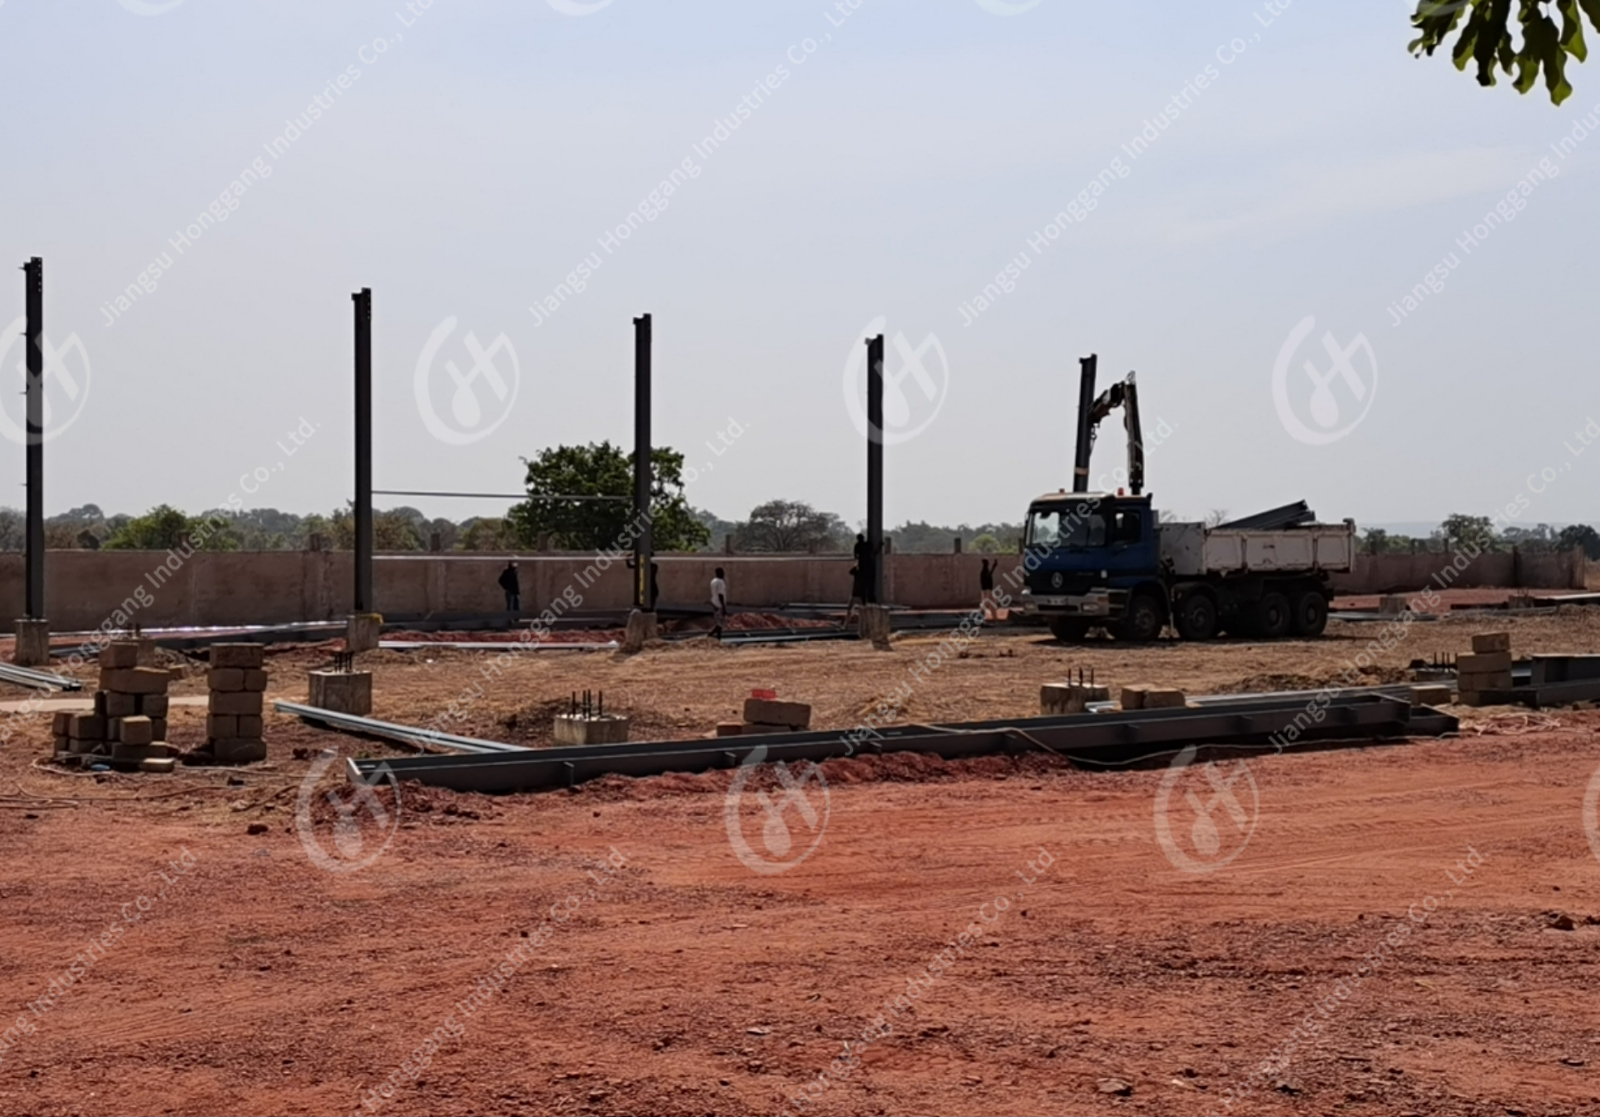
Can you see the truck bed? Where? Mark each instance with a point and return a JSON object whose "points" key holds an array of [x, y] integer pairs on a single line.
{"points": [[1194, 550]]}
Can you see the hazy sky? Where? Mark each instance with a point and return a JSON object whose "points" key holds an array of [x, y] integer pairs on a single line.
{"points": [[888, 161]]}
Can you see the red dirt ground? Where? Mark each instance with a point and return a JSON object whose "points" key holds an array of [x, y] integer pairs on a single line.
{"points": [[686, 983]]}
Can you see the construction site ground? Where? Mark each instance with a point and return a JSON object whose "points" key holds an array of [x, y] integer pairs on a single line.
{"points": [[251, 980]]}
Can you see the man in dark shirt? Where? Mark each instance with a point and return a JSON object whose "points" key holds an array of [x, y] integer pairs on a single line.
{"points": [[513, 588]]}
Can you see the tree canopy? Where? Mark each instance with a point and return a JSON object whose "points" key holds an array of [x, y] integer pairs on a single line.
{"points": [[1484, 37], [792, 526], [601, 469]]}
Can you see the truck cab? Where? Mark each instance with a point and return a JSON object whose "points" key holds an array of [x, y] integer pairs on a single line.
{"points": [[1090, 557]]}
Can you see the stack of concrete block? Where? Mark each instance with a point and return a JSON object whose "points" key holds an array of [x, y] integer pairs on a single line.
{"points": [[127, 728], [1144, 697], [768, 715], [1070, 698], [238, 682], [1487, 669]]}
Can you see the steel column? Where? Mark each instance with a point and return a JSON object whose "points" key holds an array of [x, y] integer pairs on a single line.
{"points": [[363, 509], [643, 543], [1085, 444], [33, 282], [875, 465]]}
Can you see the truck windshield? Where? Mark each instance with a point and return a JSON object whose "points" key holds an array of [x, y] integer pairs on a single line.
{"points": [[1066, 527]]}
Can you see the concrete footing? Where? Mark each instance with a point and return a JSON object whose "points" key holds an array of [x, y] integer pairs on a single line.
{"points": [[362, 631], [343, 692], [33, 643], [1070, 698], [874, 626], [642, 628], [601, 729]]}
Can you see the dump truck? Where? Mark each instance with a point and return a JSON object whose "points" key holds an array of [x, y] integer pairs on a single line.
{"points": [[1107, 560]]}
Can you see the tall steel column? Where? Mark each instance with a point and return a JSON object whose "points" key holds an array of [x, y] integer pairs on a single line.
{"points": [[363, 509], [33, 273], [875, 464], [643, 542], [1085, 443]]}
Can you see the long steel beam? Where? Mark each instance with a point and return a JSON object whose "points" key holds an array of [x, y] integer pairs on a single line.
{"points": [[389, 731], [1094, 739], [38, 680]]}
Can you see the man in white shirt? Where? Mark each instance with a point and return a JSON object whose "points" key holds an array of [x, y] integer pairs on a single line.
{"points": [[719, 602]]}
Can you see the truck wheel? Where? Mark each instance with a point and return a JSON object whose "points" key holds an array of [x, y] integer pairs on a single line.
{"points": [[1069, 630], [1310, 613], [1272, 618], [1142, 622], [1197, 617]]}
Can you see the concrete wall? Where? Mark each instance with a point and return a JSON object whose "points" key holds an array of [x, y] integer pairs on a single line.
{"points": [[1403, 573], [83, 589]]}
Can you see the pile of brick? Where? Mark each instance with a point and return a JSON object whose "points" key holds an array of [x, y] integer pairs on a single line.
{"points": [[238, 682], [1487, 669], [763, 713], [127, 729]]}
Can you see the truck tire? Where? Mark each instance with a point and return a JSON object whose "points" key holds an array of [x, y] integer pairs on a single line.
{"points": [[1143, 621], [1310, 613], [1272, 617], [1197, 617], [1069, 630]]}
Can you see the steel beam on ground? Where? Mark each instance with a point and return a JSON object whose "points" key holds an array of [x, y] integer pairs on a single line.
{"points": [[38, 680], [385, 730], [1101, 740]]}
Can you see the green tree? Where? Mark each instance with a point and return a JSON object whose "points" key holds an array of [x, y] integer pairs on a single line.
{"points": [[485, 534], [1581, 535], [1486, 38], [790, 526], [987, 544], [164, 528], [601, 469], [1461, 530]]}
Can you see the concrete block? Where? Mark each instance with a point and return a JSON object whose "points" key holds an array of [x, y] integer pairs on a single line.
{"points": [[1392, 604], [766, 711], [120, 653], [642, 627], [1163, 698], [226, 679], [873, 625], [1485, 680], [152, 705], [1483, 663], [255, 679], [116, 705], [239, 750], [63, 743], [342, 692], [135, 680], [33, 643], [1432, 695], [100, 700], [238, 655], [1070, 698], [158, 764], [158, 726], [251, 725], [61, 723], [237, 702], [1132, 697], [730, 728], [147, 751], [87, 727], [361, 633], [575, 729], [1491, 642], [222, 725], [135, 731]]}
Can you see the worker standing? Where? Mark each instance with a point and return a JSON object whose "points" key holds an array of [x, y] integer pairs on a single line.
{"points": [[986, 589], [866, 583], [719, 602], [512, 587]]}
